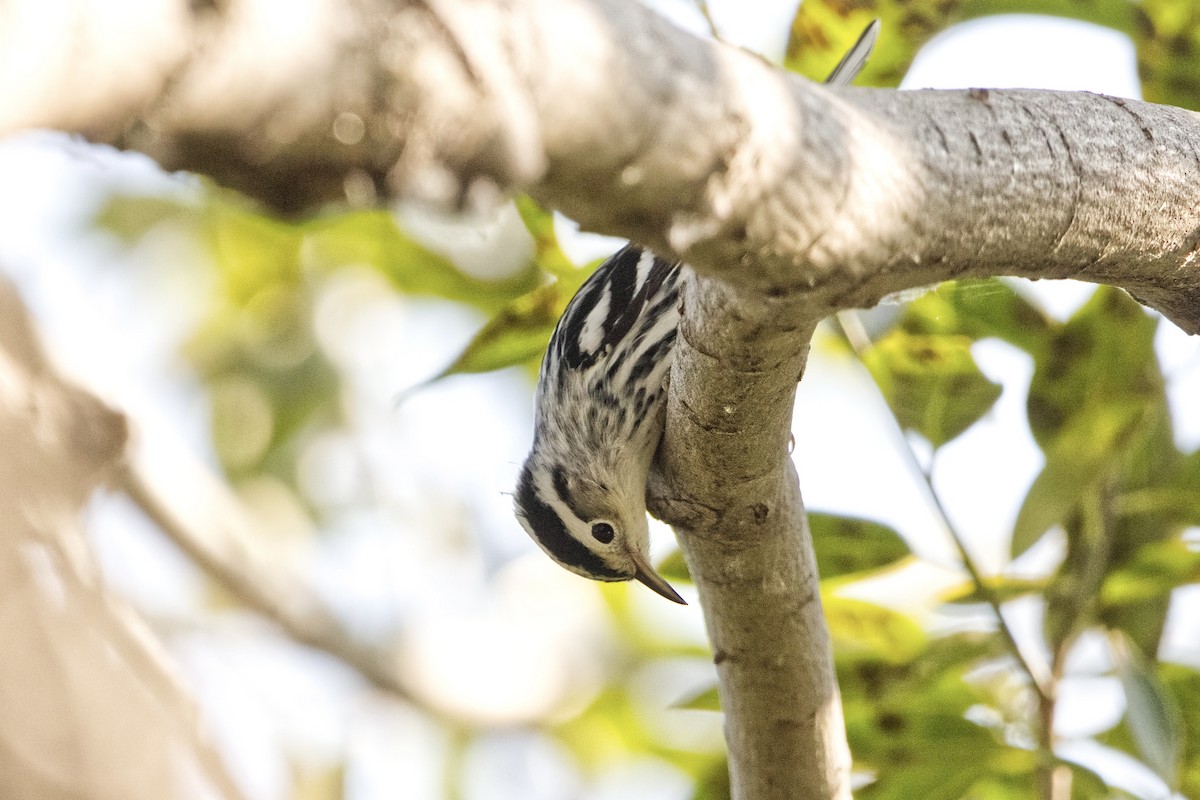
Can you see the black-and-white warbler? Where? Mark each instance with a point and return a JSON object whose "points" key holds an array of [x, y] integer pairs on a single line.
{"points": [[600, 406]]}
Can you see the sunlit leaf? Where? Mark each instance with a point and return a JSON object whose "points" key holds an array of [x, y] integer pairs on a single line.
{"points": [[1002, 588], [373, 239], [707, 699], [253, 253], [1102, 356], [615, 727], [540, 224], [515, 336], [519, 333], [1167, 36], [1151, 713], [609, 728], [822, 29], [931, 383], [130, 217], [1154, 570], [821, 35], [865, 630], [674, 567]]}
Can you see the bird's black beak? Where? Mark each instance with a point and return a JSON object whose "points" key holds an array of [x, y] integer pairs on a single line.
{"points": [[646, 574]]}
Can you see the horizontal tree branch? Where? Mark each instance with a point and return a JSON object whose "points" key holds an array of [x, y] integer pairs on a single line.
{"points": [[606, 111], [726, 483], [222, 546]]}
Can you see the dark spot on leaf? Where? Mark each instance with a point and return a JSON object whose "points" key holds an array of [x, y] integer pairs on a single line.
{"points": [[1044, 416], [891, 722]]}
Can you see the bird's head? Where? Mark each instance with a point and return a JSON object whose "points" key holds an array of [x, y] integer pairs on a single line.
{"points": [[594, 527]]}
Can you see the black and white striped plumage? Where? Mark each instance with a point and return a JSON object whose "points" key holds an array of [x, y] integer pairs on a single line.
{"points": [[599, 417], [600, 405]]}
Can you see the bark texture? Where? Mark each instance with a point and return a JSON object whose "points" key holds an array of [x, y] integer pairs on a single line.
{"points": [[632, 127], [726, 482]]}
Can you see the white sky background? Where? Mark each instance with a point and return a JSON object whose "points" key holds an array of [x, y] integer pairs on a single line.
{"points": [[435, 470]]}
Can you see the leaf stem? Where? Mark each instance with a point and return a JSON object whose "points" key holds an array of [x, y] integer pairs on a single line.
{"points": [[702, 6], [856, 335]]}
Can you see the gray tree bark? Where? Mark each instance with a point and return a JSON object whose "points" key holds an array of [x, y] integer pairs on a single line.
{"points": [[790, 200]]}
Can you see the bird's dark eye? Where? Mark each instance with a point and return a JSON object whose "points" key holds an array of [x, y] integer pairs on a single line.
{"points": [[603, 532]]}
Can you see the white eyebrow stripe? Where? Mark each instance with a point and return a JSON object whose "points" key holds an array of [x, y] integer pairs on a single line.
{"points": [[549, 495]]}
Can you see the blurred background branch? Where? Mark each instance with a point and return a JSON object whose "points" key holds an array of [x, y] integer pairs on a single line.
{"points": [[225, 547], [90, 706]]}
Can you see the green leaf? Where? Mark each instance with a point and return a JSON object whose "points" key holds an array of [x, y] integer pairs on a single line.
{"points": [[1071, 596], [519, 333], [1002, 588], [706, 699], [1183, 684], [864, 630], [821, 35], [540, 224], [1151, 713], [256, 256], [931, 383], [674, 567], [1102, 356], [130, 217], [714, 784], [907, 723], [515, 336], [1097, 410], [1080, 460], [372, 238], [843, 545], [1154, 570], [980, 309], [846, 545], [822, 29], [1167, 34], [1180, 500]]}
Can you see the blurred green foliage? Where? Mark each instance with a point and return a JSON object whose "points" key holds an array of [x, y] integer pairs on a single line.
{"points": [[1097, 409], [1165, 33], [930, 713]]}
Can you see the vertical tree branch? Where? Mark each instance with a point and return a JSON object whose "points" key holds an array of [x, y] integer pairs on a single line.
{"points": [[727, 484]]}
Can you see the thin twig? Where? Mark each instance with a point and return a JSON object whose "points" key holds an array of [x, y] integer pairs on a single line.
{"points": [[1045, 693], [702, 5], [267, 589], [859, 341]]}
